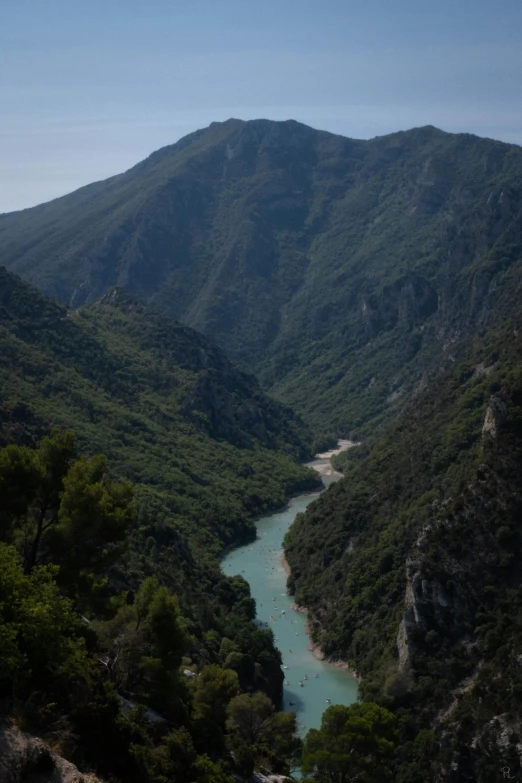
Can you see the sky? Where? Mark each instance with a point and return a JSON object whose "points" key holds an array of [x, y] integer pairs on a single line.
{"points": [[88, 88]]}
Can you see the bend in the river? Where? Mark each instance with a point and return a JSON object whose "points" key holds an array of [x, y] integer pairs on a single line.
{"points": [[261, 564]]}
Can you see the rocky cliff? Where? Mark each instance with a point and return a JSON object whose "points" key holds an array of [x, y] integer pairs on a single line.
{"points": [[26, 759]]}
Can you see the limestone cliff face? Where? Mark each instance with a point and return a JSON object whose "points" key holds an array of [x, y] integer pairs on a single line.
{"points": [[495, 415], [430, 605], [26, 759], [445, 599], [470, 550], [408, 302]]}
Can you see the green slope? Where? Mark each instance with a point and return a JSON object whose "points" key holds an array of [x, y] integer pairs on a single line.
{"points": [[206, 450], [206, 447], [339, 271], [410, 567]]}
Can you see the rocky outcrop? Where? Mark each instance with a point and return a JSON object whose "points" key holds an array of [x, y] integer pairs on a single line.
{"points": [[495, 415], [407, 625], [426, 604], [500, 731], [408, 302], [258, 777], [26, 759]]}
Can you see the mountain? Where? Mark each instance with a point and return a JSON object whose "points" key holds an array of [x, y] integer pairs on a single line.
{"points": [[410, 568], [339, 271], [162, 402]]}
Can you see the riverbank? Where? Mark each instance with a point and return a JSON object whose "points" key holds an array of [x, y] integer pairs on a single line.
{"points": [[250, 536], [342, 445], [322, 465], [313, 647], [309, 682]]}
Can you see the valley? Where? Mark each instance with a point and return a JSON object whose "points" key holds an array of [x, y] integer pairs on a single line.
{"points": [[176, 343]]}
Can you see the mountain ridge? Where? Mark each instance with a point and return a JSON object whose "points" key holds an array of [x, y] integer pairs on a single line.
{"points": [[334, 269]]}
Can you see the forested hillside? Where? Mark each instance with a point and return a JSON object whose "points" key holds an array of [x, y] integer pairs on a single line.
{"points": [[208, 449], [124, 654], [122, 643], [410, 568], [339, 271]]}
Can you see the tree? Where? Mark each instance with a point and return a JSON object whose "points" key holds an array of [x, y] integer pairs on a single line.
{"points": [[93, 517], [282, 737], [213, 690], [56, 509], [215, 687], [249, 717], [144, 644], [40, 634], [174, 759], [353, 745], [210, 772], [31, 482], [257, 734]]}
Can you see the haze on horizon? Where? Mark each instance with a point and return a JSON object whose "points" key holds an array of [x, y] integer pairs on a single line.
{"points": [[89, 89]]}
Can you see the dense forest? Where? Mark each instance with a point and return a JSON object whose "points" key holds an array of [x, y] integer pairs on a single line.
{"points": [[197, 437], [123, 645], [141, 684]]}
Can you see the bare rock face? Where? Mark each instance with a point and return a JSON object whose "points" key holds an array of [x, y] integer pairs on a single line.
{"points": [[407, 625], [258, 777], [495, 415], [500, 730], [426, 604], [26, 759]]}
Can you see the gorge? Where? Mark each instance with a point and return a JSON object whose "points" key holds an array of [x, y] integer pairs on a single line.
{"points": [[208, 320]]}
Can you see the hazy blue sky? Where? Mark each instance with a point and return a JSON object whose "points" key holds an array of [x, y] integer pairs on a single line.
{"points": [[90, 87]]}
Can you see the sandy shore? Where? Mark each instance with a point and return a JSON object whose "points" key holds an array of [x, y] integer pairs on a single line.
{"points": [[324, 468], [319, 654], [342, 445], [321, 463]]}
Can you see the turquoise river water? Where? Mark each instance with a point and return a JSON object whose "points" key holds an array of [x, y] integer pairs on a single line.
{"points": [[260, 563]]}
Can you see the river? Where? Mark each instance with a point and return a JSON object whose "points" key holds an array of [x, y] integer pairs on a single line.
{"points": [[261, 564]]}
